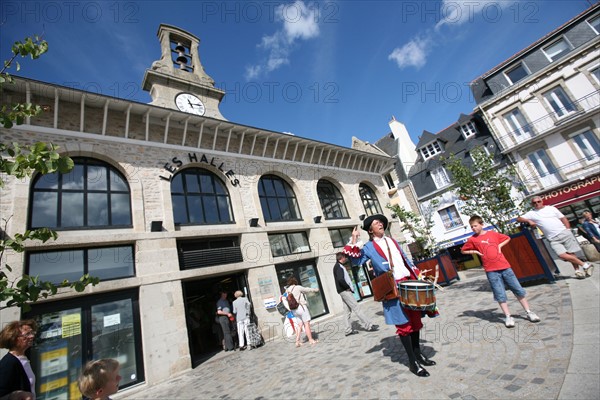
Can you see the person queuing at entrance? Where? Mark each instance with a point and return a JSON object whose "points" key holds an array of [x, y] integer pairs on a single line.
{"points": [[385, 255], [17, 380], [301, 313], [557, 230], [591, 227], [241, 309], [224, 318], [343, 285], [99, 379], [488, 245]]}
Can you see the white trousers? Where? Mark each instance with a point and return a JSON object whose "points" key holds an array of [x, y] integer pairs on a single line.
{"points": [[242, 329]]}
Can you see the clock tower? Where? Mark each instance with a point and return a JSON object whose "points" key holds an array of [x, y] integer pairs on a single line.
{"points": [[178, 80]]}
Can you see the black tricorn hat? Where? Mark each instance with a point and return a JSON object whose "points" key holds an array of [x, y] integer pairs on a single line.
{"points": [[369, 220]]}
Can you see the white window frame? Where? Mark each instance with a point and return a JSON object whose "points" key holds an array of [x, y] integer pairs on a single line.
{"points": [[468, 129], [543, 165], [519, 65], [451, 222], [440, 177], [559, 108], [553, 56], [431, 150], [595, 76], [585, 141], [389, 180], [518, 124], [597, 20]]}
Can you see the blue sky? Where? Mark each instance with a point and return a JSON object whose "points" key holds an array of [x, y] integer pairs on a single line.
{"points": [[325, 70]]}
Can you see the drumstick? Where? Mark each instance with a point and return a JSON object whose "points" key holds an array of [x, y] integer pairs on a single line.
{"points": [[437, 275]]}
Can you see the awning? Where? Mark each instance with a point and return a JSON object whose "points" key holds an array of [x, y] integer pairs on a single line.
{"points": [[461, 239]]}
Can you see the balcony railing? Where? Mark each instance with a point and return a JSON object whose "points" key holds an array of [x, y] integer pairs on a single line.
{"points": [[565, 173], [525, 133]]}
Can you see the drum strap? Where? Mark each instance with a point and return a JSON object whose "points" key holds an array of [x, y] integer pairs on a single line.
{"points": [[412, 273]]}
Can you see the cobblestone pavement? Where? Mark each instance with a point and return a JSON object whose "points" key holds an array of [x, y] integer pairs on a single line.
{"points": [[477, 357]]}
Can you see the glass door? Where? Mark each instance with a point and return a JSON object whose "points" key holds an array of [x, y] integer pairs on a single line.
{"points": [[364, 287], [56, 357], [73, 332], [307, 276]]}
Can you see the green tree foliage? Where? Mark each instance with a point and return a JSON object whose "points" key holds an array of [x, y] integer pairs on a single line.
{"points": [[20, 162], [419, 227], [16, 113], [487, 190]]}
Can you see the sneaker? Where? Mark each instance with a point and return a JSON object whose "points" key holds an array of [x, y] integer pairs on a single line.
{"points": [[533, 317], [509, 322], [579, 274], [373, 328], [589, 270], [352, 332]]}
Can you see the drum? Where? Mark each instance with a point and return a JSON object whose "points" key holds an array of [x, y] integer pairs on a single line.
{"points": [[417, 295]]}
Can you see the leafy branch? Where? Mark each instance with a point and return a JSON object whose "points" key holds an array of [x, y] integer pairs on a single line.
{"points": [[21, 162], [486, 189], [419, 227]]}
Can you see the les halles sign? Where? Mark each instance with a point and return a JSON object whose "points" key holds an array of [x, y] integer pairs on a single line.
{"points": [[175, 163]]}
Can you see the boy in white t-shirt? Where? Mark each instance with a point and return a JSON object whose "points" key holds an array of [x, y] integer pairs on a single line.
{"points": [[557, 229]]}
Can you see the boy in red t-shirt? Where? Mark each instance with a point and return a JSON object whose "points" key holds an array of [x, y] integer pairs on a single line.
{"points": [[488, 245]]}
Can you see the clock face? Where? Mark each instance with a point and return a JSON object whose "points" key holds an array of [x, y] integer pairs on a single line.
{"points": [[189, 103]]}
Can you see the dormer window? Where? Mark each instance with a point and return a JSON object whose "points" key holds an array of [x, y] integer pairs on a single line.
{"points": [[595, 24], [468, 129], [557, 49], [431, 150], [440, 177], [517, 73]]}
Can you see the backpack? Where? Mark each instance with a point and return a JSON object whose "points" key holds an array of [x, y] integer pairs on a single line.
{"points": [[292, 302]]}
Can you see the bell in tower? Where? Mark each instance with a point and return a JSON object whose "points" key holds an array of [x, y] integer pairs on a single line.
{"points": [[180, 72]]}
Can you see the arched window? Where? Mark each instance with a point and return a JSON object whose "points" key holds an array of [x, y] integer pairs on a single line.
{"points": [[369, 200], [277, 199], [93, 195], [331, 200], [200, 197]]}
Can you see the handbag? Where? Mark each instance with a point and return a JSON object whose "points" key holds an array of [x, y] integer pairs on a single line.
{"points": [[282, 307], [384, 287]]}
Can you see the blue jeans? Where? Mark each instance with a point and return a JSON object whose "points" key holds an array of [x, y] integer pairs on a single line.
{"points": [[498, 279]]}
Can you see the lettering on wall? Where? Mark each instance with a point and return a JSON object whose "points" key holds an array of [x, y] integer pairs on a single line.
{"points": [[175, 164]]}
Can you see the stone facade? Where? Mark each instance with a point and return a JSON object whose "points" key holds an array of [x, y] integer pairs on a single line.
{"points": [[147, 155]]}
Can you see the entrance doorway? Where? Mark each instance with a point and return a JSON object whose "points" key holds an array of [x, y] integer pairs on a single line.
{"points": [[200, 299]]}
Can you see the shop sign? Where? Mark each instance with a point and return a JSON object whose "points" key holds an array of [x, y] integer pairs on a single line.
{"points": [[572, 191]]}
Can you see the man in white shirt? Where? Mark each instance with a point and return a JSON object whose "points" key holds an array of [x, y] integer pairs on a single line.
{"points": [[557, 230]]}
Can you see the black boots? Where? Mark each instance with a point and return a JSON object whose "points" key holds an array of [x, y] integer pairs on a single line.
{"points": [[421, 358], [413, 364]]}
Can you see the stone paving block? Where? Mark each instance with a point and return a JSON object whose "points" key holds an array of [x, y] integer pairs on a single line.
{"points": [[477, 357]]}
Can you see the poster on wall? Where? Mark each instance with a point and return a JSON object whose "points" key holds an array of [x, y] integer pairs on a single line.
{"points": [[53, 357], [267, 292], [71, 325]]}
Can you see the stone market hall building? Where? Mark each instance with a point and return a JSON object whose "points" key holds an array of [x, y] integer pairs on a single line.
{"points": [[167, 204]]}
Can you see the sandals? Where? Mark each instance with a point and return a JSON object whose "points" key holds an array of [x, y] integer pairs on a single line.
{"points": [[298, 344], [314, 342]]}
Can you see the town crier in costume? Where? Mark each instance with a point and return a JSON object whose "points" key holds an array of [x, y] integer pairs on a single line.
{"points": [[385, 254]]}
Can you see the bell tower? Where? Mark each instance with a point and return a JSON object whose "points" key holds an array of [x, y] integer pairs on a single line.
{"points": [[178, 80]]}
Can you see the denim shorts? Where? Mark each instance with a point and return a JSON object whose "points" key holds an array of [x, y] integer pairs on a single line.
{"points": [[498, 279]]}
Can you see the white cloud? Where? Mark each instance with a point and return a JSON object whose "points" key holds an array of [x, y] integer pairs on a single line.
{"points": [[299, 22], [452, 13], [412, 54], [457, 12]]}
